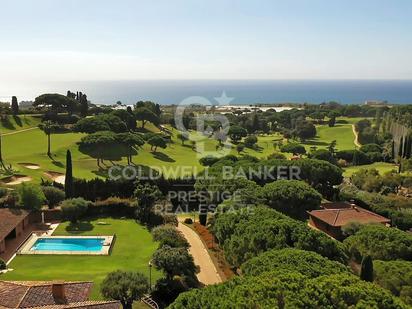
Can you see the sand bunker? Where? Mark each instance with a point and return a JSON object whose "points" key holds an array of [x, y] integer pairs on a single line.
{"points": [[15, 179], [31, 166], [56, 176]]}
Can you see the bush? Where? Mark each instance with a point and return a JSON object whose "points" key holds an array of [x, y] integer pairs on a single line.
{"points": [[188, 221], [2, 265], [250, 141], [168, 235], [276, 156], [113, 206], [293, 148], [74, 209], [355, 157], [208, 160], [323, 154], [30, 196], [53, 196], [371, 148]]}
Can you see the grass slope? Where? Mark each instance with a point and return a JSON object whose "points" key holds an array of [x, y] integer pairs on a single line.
{"points": [[132, 251]]}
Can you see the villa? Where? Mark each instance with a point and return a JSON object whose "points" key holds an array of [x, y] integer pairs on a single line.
{"points": [[334, 216], [13, 224], [52, 295]]}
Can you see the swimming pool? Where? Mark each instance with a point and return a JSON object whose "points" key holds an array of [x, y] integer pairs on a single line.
{"points": [[68, 244], [82, 245]]}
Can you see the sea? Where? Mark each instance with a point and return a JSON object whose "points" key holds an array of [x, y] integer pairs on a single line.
{"points": [[233, 92]]}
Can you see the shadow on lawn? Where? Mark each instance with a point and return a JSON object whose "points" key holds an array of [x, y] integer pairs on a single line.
{"points": [[163, 157], [80, 227]]}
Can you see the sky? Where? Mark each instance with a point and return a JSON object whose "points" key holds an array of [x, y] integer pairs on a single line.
{"points": [[72, 40]]}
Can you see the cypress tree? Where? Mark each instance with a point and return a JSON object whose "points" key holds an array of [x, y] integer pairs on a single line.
{"points": [[367, 269], [400, 151], [14, 105], [68, 182]]}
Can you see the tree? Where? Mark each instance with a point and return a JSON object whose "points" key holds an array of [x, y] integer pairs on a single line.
{"points": [[168, 235], [74, 209], [174, 262], [322, 154], [53, 196], [305, 130], [183, 136], [332, 121], [56, 102], [240, 148], [366, 273], [292, 197], [68, 180], [125, 286], [131, 141], [380, 242], [146, 195], [294, 148], [30, 196], [308, 263], [14, 105], [91, 125], [208, 160], [251, 141], [156, 141], [144, 115], [98, 145], [48, 127], [236, 133]]}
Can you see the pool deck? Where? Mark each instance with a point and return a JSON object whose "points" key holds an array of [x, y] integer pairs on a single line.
{"points": [[107, 244]]}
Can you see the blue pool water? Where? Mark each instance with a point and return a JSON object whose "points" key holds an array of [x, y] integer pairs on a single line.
{"points": [[68, 244]]}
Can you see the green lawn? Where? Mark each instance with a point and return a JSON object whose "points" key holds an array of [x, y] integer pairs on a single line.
{"points": [[10, 123], [342, 133], [382, 167], [132, 251]]}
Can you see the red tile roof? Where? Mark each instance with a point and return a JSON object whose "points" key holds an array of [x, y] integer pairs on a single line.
{"points": [[23, 294], [340, 217], [9, 219]]}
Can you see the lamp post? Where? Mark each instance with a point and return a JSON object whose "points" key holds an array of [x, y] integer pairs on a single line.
{"points": [[150, 275]]}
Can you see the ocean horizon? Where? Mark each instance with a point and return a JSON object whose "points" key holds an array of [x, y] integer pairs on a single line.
{"points": [[243, 92]]}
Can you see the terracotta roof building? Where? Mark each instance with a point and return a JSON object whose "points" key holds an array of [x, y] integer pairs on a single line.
{"points": [[56, 294], [331, 219], [12, 224]]}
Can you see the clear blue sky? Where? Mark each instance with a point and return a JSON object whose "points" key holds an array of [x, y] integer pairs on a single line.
{"points": [[124, 39]]}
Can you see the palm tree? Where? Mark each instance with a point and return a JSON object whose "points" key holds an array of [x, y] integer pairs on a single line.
{"points": [[48, 127]]}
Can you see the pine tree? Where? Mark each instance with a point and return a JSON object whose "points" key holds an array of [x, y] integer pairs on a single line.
{"points": [[68, 182], [367, 269], [14, 105], [400, 151]]}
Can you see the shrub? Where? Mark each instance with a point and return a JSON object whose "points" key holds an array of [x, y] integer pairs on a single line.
{"points": [[168, 235], [30, 196], [53, 196], [277, 156], [73, 209], [293, 148], [2, 265], [323, 154], [355, 157], [250, 141], [188, 221], [113, 206], [208, 160]]}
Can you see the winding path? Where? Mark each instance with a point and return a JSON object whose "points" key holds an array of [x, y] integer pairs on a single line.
{"points": [[208, 273], [355, 141]]}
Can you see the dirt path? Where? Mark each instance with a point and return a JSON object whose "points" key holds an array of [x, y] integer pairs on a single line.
{"points": [[356, 142], [19, 131], [208, 273]]}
